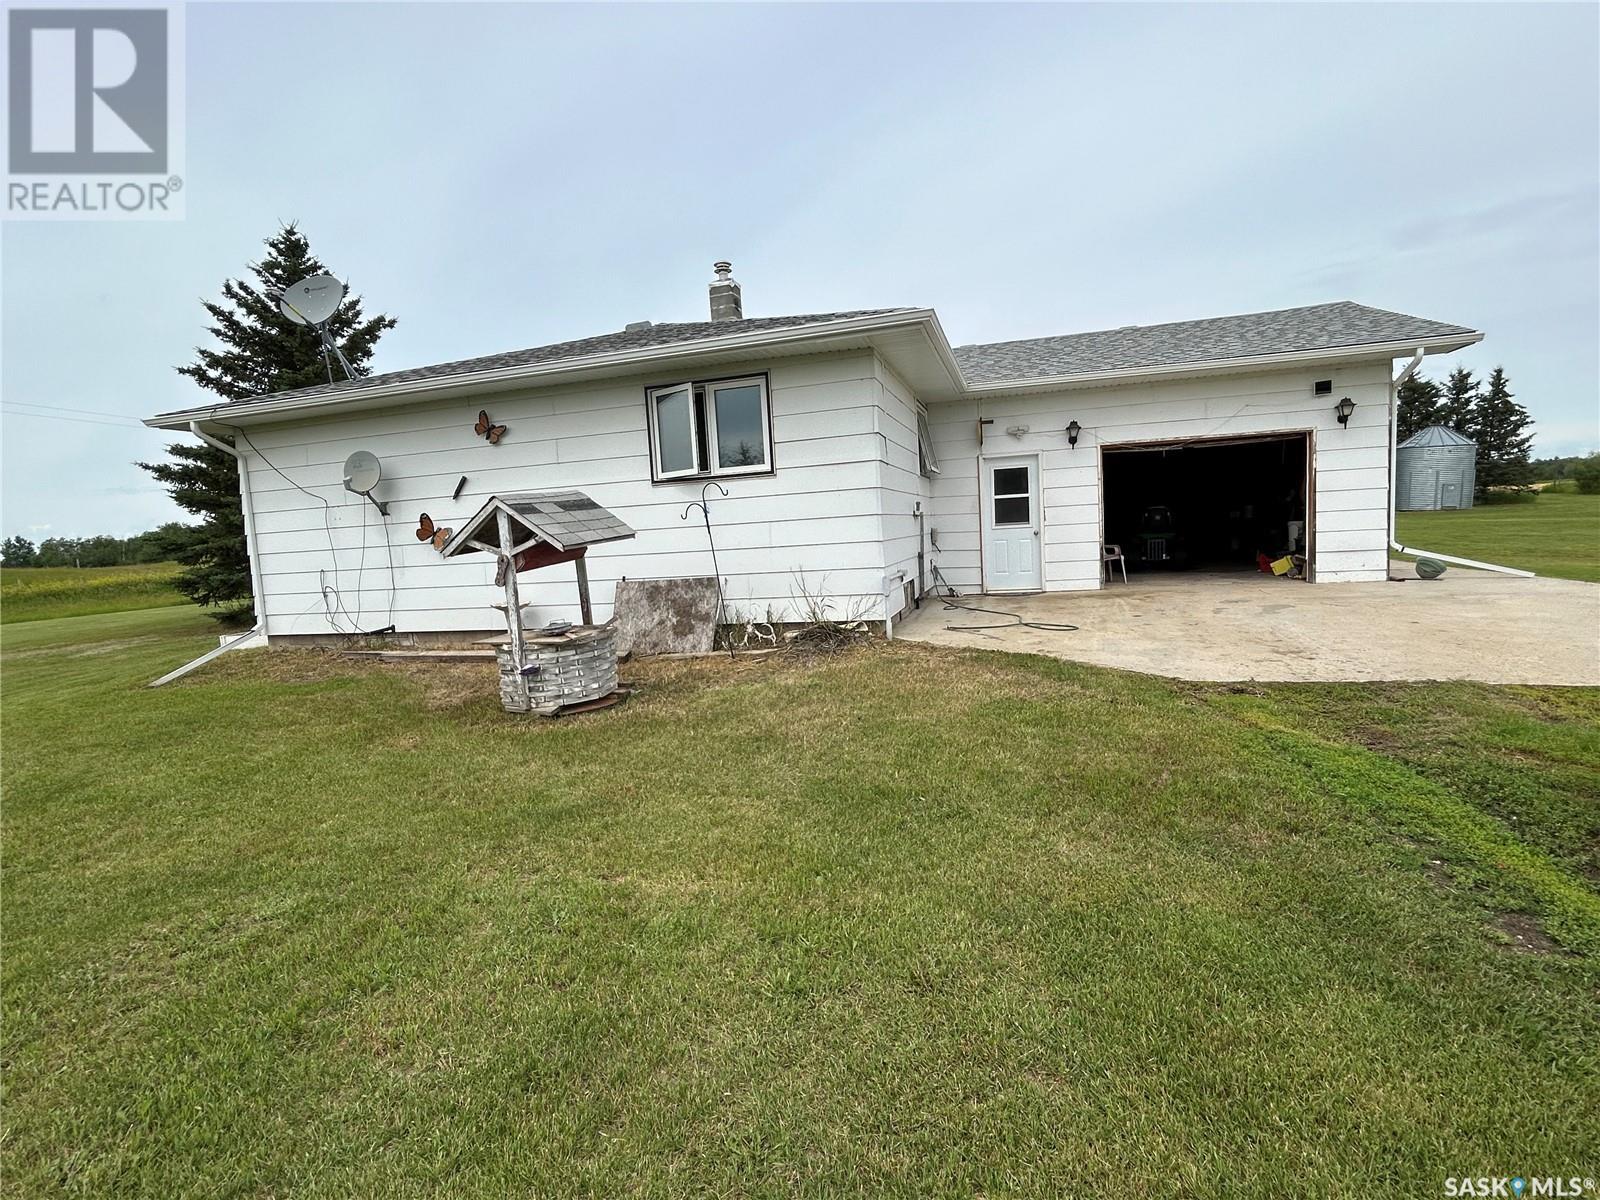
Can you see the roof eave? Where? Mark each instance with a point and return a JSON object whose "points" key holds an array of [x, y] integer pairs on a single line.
{"points": [[456, 543], [542, 374], [1223, 366]]}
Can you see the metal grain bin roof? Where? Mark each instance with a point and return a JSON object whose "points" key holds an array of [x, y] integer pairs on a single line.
{"points": [[1437, 435]]}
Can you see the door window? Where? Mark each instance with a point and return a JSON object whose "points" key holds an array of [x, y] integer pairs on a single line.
{"points": [[1013, 496]]}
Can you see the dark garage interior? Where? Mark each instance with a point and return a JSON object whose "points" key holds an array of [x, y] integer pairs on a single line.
{"points": [[1207, 506]]}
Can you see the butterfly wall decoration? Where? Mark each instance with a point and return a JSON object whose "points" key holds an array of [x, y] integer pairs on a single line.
{"points": [[427, 531], [488, 430]]}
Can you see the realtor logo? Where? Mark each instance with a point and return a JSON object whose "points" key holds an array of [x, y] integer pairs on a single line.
{"points": [[93, 92]]}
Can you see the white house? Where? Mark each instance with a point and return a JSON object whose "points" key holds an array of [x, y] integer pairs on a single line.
{"points": [[860, 452]]}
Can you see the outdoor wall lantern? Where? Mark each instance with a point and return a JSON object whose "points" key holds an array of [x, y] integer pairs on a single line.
{"points": [[1073, 431], [1343, 409]]}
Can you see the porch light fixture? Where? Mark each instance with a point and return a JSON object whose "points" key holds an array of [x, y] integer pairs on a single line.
{"points": [[1343, 409], [1073, 430]]}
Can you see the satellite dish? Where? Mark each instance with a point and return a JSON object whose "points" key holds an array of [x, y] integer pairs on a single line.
{"points": [[311, 301], [362, 470]]}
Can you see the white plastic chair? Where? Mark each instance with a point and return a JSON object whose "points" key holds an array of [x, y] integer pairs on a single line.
{"points": [[1113, 554]]}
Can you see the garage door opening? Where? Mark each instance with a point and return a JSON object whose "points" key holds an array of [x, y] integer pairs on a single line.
{"points": [[1218, 505]]}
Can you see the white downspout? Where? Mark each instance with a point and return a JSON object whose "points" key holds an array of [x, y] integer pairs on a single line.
{"points": [[258, 593], [1394, 451], [258, 596]]}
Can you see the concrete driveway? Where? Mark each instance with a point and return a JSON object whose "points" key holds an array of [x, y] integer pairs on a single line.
{"points": [[1464, 625]]}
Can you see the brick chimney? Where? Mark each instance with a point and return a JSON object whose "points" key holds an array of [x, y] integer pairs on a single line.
{"points": [[726, 304]]}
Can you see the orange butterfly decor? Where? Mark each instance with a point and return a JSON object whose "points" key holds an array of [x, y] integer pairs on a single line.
{"points": [[427, 531], [488, 431]]}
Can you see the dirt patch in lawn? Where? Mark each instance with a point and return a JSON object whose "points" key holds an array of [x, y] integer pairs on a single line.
{"points": [[1524, 934]]}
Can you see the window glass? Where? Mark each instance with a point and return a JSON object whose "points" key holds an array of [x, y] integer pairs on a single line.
{"points": [[741, 433], [1011, 510], [1011, 481], [927, 458], [674, 432]]}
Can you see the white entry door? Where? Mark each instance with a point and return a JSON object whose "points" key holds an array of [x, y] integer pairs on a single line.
{"points": [[1011, 525]]}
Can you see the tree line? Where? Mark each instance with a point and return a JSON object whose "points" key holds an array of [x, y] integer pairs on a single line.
{"points": [[1572, 466], [154, 545], [1485, 412]]}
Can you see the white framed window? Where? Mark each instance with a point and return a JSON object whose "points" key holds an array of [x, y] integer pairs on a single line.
{"points": [[927, 457], [709, 428]]}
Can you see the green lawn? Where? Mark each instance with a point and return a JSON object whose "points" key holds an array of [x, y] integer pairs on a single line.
{"points": [[43, 593], [902, 921], [1554, 535]]}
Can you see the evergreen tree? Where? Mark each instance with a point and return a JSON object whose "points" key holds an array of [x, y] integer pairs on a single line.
{"points": [[158, 544], [261, 351], [1419, 406], [18, 551], [1500, 426], [1459, 399]]}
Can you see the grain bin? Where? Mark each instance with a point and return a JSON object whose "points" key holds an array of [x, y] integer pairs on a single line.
{"points": [[1436, 468]]}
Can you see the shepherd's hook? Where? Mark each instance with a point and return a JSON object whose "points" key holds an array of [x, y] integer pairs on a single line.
{"points": [[704, 506]]}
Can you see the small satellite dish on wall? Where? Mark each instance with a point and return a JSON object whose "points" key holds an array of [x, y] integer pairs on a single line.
{"points": [[362, 471], [311, 301]]}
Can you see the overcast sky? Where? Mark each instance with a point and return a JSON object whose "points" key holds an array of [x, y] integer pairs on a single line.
{"points": [[503, 175]]}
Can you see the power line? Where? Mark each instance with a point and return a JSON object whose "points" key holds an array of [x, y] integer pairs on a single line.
{"points": [[88, 412], [13, 412]]}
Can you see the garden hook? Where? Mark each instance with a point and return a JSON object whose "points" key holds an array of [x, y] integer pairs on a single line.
{"points": [[703, 504]]}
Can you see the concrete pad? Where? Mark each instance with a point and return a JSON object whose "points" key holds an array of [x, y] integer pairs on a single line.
{"points": [[1465, 625]]}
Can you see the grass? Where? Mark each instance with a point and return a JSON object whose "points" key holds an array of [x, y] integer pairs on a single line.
{"points": [[1555, 535], [901, 921], [44, 593]]}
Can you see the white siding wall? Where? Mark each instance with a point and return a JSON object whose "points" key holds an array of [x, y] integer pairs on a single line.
{"points": [[820, 514], [1351, 463], [904, 488]]}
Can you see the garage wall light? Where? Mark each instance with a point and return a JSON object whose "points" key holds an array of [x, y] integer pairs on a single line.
{"points": [[1343, 409], [1073, 430]]}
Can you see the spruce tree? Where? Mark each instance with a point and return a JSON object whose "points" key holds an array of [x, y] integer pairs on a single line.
{"points": [[1459, 399], [1419, 406], [1500, 426], [260, 351]]}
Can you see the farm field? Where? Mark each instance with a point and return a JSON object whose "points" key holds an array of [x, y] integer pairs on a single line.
{"points": [[43, 593], [1557, 534], [899, 921]]}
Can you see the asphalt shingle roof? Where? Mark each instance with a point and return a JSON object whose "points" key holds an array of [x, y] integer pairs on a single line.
{"points": [[663, 335], [1133, 347], [565, 519], [1288, 330]]}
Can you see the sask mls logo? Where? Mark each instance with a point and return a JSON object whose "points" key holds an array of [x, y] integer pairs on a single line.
{"points": [[1518, 1187], [93, 92]]}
